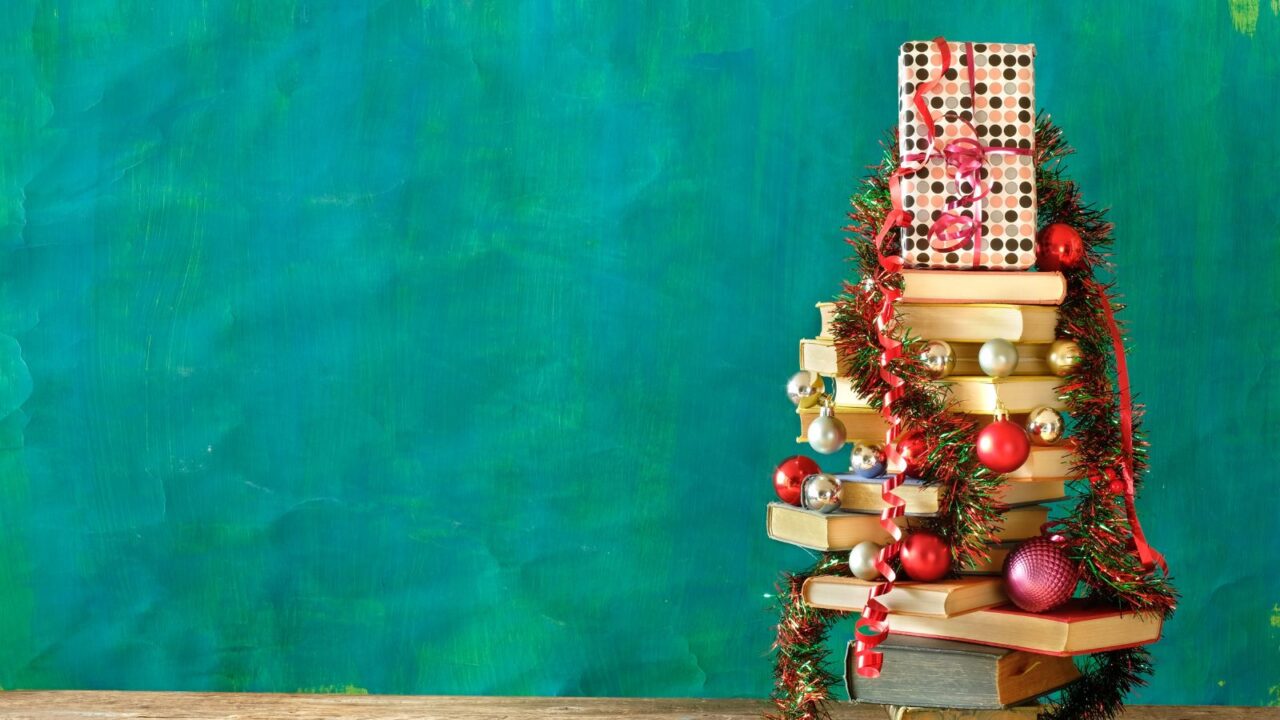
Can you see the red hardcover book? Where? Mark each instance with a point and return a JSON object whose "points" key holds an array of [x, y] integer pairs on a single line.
{"points": [[1073, 629]]}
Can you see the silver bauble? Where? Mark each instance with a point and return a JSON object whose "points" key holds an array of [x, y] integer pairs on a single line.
{"points": [[938, 358], [821, 492], [805, 389], [1045, 425], [862, 560], [998, 358], [826, 433], [1063, 356], [866, 460]]}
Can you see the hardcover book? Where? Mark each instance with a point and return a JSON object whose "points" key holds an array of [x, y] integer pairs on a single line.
{"points": [[843, 530], [1072, 629], [925, 672], [944, 598], [979, 323], [968, 323], [983, 286], [859, 494]]}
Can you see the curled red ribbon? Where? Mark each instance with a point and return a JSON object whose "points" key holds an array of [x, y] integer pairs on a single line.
{"points": [[1147, 555], [872, 626], [965, 159]]}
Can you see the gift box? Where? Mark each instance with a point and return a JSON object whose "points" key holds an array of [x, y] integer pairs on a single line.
{"points": [[972, 196]]}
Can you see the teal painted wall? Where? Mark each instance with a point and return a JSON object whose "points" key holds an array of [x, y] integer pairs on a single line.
{"points": [[438, 347]]}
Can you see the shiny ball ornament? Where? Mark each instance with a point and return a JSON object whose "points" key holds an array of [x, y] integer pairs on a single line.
{"points": [[826, 433], [862, 560], [1045, 425], [820, 492], [1003, 446], [938, 358], [806, 389], [925, 556], [1059, 247], [1063, 356], [790, 475], [866, 460], [914, 452], [998, 358], [1039, 576]]}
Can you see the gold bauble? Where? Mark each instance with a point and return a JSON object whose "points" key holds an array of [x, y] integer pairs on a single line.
{"points": [[938, 358], [1063, 356], [1045, 425]]}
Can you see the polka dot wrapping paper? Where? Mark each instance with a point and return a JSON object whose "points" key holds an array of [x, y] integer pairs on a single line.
{"points": [[997, 110]]}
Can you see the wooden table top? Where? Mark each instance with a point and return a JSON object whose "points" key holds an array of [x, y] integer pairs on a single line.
{"points": [[82, 705]]}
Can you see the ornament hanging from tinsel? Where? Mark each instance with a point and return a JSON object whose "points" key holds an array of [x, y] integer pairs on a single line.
{"points": [[1059, 247], [1063, 356], [925, 556], [914, 452], [1039, 575], [789, 475], [1045, 425]]}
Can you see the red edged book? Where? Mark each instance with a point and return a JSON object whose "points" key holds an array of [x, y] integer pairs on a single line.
{"points": [[1075, 628]]}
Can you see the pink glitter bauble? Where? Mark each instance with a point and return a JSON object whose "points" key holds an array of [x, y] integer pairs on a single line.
{"points": [[1038, 575]]}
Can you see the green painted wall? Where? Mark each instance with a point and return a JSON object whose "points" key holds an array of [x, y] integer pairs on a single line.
{"points": [[438, 347]]}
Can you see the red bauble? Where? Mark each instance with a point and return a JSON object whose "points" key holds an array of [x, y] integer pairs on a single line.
{"points": [[925, 556], [1038, 575], [1059, 246], [1003, 446], [914, 451], [790, 475]]}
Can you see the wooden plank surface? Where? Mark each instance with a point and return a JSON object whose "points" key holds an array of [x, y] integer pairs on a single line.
{"points": [[82, 705]]}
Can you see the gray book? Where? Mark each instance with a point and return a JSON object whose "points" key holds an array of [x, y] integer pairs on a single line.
{"points": [[927, 672]]}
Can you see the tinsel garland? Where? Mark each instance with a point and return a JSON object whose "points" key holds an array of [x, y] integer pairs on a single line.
{"points": [[802, 682], [1097, 531]]}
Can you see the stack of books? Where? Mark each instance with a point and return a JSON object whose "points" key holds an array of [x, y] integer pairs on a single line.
{"points": [[959, 644]]}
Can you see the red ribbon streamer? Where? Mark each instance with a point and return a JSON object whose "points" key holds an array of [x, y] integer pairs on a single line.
{"points": [[965, 159], [872, 627], [1147, 555]]}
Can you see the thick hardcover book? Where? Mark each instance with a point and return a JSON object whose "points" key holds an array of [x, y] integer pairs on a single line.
{"points": [[859, 494], [1030, 711], [925, 672], [842, 530], [974, 323], [860, 423], [979, 323], [940, 599], [819, 355], [1073, 629], [969, 286], [978, 394]]}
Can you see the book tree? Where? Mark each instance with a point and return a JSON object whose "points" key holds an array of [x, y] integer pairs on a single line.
{"points": [[972, 373]]}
